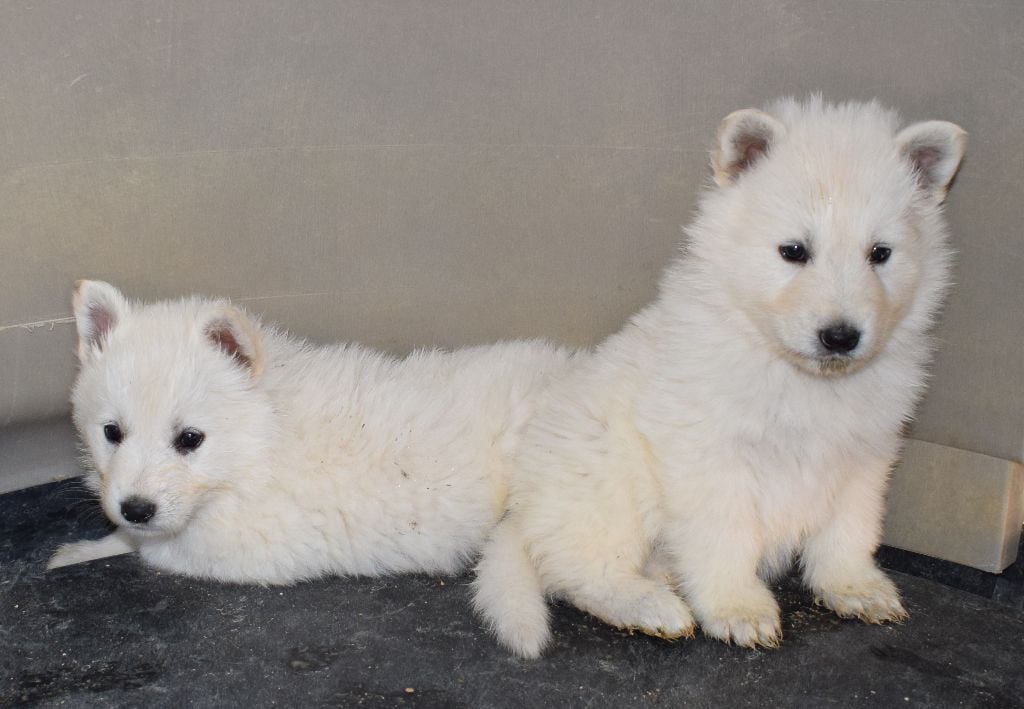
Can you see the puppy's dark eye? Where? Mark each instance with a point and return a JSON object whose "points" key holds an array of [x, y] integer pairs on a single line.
{"points": [[879, 254], [188, 440], [112, 432], [797, 253]]}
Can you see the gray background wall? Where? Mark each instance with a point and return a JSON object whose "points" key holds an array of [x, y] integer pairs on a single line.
{"points": [[455, 172]]}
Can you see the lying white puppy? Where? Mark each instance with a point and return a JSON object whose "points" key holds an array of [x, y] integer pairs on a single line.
{"points": [[227, 450]]}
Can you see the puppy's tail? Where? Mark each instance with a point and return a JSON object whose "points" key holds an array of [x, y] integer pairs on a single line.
{"points": [[509, 595]]}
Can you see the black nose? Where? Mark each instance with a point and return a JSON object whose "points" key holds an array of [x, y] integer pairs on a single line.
{"points": [[137, 510], [840, 337]]}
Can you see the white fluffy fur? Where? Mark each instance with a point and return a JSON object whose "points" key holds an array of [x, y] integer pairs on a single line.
{"points": [[315, 460], [697, 451]]}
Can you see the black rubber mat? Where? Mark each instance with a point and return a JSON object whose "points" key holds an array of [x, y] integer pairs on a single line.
{"points": [[115, 633]]}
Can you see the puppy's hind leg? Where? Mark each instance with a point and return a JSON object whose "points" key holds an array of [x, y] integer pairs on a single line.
{"points": [[716, 548], [626, 599], [602, 570], [113, 544], [508, 593]]}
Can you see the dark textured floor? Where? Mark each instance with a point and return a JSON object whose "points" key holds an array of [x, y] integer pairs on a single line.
{"points": [[114, 633]]}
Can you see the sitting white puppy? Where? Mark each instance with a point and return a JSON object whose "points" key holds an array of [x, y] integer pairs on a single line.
{"points": [[228, 450], [754, 410]]}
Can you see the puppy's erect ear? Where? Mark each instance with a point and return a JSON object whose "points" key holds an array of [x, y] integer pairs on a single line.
{"points": [[934, 149], [98, 308], [744, 137], [232, 331]]}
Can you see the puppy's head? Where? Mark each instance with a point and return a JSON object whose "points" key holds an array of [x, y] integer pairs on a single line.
{"points": [[826, 226], [166, 404]]}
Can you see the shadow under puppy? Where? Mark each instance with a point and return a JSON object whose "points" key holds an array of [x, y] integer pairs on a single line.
{"points": [[754, 410], [228, 450]]}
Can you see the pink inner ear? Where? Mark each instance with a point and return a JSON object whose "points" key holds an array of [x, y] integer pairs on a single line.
{"points": [[750, 148], [926, 157], [754, 151], [221, 334], [102, 320]]}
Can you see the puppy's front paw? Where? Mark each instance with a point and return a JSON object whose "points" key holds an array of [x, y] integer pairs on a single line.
{"points": [[873, 599], [749, 621], [89, 550], [73, 553]]}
